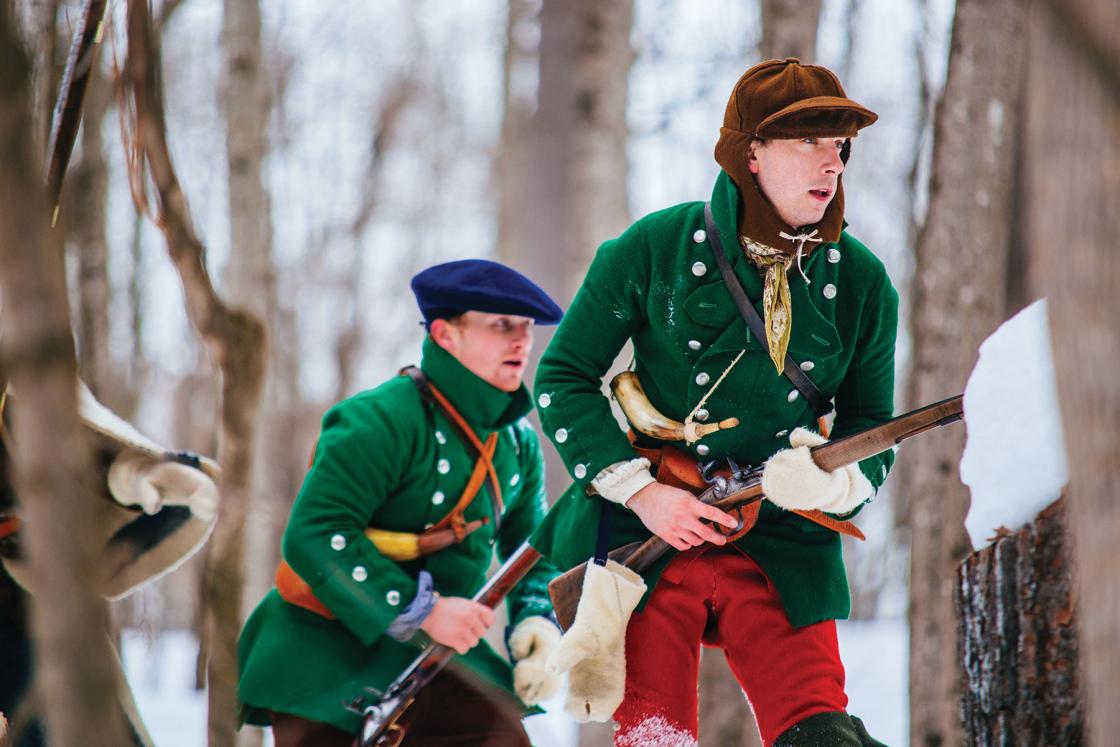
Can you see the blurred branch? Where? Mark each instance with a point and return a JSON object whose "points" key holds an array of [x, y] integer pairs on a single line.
{"points": [[68, 107]]}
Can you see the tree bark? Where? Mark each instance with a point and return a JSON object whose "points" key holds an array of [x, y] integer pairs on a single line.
{"points": [[1073, 116], [563, 171], [235, 339], [75, 675], [726, 719], [83, 218], [250, 274], [577, 136], [957, 300], [510, 174], [789, 29], [1017, 640]]}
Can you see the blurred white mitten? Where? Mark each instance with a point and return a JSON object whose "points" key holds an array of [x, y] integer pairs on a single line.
{"points": [[531, 643], [136, 479], [593, 650], [793, 481]]}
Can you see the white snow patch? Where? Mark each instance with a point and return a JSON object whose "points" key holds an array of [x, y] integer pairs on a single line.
{"points": [[995, 119], [655, 731], [1014, 459], [161, 675]]}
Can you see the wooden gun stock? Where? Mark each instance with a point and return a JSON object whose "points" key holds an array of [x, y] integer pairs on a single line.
{"points": [[379, 722], [565, 590]]}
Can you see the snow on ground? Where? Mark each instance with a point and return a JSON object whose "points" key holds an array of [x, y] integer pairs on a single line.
{"points": [[1014, 460], [161, 673], [875, 657]]}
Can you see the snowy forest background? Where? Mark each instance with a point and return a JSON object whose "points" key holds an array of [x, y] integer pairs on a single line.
{"points": [[328, 151]]}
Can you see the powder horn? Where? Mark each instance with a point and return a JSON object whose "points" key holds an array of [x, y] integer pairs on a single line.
{"points": [[647, 419]]}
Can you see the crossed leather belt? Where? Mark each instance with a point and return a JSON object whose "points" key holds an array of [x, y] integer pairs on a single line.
{"points": [[450, 530]]}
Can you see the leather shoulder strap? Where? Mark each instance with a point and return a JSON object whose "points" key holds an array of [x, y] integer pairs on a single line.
{"points": [[821, 405], [483, 454]]}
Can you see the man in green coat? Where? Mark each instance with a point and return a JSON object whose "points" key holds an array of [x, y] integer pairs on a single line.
{"points": [[770, 598], [412, 486]]}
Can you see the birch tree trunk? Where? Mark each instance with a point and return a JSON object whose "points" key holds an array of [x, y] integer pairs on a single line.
{"points": [[958, 299], [235, 339], [1018, 640], [251, 284], [789, 29], [1073, 117], [75, 669], [250, 275]]}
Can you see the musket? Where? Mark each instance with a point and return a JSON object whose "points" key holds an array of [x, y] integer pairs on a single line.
{"points": [[744, 487], [380, 727]]}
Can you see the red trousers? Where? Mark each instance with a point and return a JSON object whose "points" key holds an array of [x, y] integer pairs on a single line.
{"points": [[720, 597]]}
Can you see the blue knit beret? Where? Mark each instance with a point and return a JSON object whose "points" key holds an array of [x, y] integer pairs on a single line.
{"points": [[451, 288]]}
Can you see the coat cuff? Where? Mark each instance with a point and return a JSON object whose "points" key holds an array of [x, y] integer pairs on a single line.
{"points": [[619, 482]]}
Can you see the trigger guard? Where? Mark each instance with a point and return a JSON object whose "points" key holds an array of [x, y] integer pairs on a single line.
{"points": [[737, 528]]}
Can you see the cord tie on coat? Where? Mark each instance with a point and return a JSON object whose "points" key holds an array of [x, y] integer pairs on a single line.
{"points": [[801, 238]]}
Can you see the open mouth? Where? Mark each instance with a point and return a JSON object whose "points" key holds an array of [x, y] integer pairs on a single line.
{"points": [[514, 364], [822, 193]]}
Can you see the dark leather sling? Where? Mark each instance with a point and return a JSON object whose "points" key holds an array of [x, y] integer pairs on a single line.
{"points": [[821, 405]]}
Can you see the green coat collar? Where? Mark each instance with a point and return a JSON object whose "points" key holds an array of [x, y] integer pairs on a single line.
{"points": [[812, 336], [482, 404]]}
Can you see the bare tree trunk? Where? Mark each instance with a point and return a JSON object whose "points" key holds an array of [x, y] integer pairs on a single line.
{"points": [[1017, 638], [562, 171], [577, 136], [75, 677], [235, 339], [726, 719], [789, 29], [603, 56], [510, 173], [1073, 117], [47, 68], [251, 278], [84, 220], [958, 299]]}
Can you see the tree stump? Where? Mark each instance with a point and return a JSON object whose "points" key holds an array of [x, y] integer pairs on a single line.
{"points": [[1017, 641]]}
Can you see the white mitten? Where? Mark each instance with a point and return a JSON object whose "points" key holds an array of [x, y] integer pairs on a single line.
{"points": [[793, 481], [593, 650], [136, 479], [531, 643]]}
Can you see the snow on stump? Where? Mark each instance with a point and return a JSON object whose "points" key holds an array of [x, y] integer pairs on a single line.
{"points": [[1017, 640]]}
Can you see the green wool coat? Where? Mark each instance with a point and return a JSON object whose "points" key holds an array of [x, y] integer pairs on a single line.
{"points": [[657, 284], [385, 458]]}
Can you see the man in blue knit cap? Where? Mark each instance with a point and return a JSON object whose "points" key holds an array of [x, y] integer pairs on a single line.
{"points": [[412, 486]]}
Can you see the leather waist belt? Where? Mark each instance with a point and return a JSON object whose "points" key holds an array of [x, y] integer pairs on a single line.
{"points": [[451, 529], [393, 545], [678, 469]]}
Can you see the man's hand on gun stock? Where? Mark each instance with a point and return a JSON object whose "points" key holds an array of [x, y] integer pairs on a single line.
{"points": [[458, 623], [676, 516]]}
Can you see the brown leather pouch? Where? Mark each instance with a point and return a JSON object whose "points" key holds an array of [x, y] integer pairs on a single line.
{"points": [[294, 590]]}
